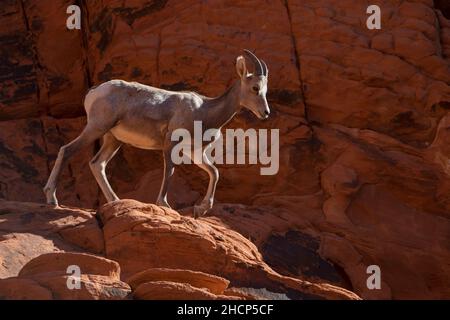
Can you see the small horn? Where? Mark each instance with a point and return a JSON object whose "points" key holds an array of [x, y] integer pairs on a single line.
{"points": [[258, 67], [265, 69]]}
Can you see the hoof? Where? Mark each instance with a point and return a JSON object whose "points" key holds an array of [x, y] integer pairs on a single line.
{"points": [[53, 204], [163, 204], [51, 197], [200, 210]]}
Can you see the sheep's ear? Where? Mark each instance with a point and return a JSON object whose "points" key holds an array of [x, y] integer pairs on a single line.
{"points": [[241, 68]]}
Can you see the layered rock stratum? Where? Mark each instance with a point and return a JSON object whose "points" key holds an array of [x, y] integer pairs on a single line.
{"points": [[364, 156]]}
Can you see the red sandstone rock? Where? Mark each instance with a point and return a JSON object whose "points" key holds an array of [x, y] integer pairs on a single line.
{"points": [[168, 241], [242, 294], [28, 230], [27, 159], [387, 80], [53, 285], [163, 238], [46, 277], [372, 190], [141, 236], [23, 289], [381, 201], [213, 284], [59, 262], [93, 287], [44, 72], [166, 290]]}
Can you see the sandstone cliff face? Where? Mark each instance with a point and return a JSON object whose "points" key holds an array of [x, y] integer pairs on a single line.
{"points": [[363, 119]]}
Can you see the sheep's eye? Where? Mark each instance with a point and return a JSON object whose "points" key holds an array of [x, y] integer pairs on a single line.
{"points": [[255, 89]]}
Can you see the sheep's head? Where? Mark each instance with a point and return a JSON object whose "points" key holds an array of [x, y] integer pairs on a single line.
{"points": [[253, 85]]}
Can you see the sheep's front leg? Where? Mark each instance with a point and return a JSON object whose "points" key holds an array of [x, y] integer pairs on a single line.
{"points": [[169, 169], [213, 174]]}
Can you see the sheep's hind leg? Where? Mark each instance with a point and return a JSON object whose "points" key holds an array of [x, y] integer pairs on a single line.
{"points": [[87, 137], [98, 164]]}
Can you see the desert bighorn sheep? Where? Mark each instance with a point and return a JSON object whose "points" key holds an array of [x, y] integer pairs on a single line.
{"points": [[145, 117]]}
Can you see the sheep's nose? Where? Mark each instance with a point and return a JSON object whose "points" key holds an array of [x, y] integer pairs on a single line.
{"points": [[267, 112]]}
